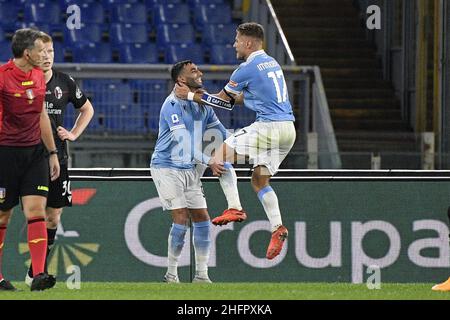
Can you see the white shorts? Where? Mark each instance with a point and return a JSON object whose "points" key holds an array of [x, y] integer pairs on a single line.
{"points": [[265, 143], [179, 189]]}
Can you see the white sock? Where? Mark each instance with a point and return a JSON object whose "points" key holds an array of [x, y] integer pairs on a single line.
{"points": [[269, 201], [228, 182]]}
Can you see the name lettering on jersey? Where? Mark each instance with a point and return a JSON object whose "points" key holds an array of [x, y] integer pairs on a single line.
{"points": [[267, 65], [27, 83], [232, 84], [49, 108]]}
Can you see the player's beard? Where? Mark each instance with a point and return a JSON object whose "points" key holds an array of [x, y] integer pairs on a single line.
{"points": [[193, 85]]}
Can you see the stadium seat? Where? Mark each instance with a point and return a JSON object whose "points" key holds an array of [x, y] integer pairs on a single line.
{"points": [[8, 15], [175, 34], [2, 35], [58, 47], [41, 26], [212, 14], [129, 13], [171, 13], [150, 95], [5, 51], [223, 54], [88, 33], [138, 53], [92, 12], [179, 52], [43, 12], [108, 4], [151, 4], [92, 53], [218, 34], [65, 3], [128, 33], [194, 3]]}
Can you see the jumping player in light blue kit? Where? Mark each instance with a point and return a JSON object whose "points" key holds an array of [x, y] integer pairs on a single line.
{"points": [[259, 84], [177, 165]]}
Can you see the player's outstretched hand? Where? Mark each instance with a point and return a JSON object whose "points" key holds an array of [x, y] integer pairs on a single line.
{"points": [[216, 167], [181, 91], [64, 134], [54, 167]]}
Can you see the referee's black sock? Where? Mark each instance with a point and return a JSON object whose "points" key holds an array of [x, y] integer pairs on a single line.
{"points": [[51, 234]]}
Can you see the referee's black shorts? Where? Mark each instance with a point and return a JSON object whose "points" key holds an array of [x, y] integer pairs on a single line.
{"points": [[24, 171]]}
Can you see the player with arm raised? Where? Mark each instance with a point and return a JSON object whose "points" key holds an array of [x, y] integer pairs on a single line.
{"points": [[260, 83], [61, 89], [178, 150]]}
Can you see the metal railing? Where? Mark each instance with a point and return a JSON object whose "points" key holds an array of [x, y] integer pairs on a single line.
{"points": [[262, 12]]}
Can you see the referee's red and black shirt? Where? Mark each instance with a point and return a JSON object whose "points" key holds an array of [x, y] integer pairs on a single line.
{"points": [[21, 101]]}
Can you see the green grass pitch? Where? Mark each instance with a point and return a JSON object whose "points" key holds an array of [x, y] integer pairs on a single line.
{"points": [[228, 291]]}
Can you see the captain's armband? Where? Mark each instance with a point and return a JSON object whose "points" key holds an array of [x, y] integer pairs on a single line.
{"points": [[217, 102]]}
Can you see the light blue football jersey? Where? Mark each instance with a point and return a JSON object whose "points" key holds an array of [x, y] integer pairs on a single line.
{"points": [[182, 125], [261, 79]]}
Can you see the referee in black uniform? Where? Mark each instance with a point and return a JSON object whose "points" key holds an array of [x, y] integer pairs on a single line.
{"points": [[61, 90]]}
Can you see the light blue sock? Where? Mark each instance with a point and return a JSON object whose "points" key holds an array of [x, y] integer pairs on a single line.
{"points": [[202, 246], [175, 245]]}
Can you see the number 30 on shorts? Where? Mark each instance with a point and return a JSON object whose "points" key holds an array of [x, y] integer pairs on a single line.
{"points": [[66, 188]]}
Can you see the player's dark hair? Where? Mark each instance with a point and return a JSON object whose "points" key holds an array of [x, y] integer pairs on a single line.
{"points": [[177, 68], [24, 39], [251, 29]]}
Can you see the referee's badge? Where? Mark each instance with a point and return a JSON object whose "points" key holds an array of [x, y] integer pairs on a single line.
{"points": [[58, 93], [30, 94], [2, 195]]}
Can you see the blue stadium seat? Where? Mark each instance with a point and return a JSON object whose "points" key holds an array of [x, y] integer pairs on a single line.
{"points": [[92, 12], [152, 3], [5, 51], [150, 95], [128, 33], [43, 12], [58, 47], [223, 54], [41, 26], [108, 4], [212, 14], [194, 3], [138, 53], [2, 35], [129, 13], [8, 15], [65, 3], [171, 13], [218, 34], [88, 33], [92, 53], [175, 34], [179, 52]]}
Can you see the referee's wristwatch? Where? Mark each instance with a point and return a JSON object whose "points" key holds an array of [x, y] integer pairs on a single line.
{"points": [[53, 152]]}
